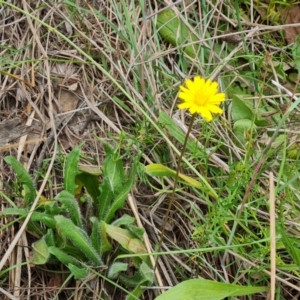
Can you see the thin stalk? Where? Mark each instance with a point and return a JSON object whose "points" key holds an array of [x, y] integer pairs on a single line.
{"points": [[163, 228]]}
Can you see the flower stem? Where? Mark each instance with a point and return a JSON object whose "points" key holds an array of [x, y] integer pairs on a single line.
{"points": [[172, 197]]}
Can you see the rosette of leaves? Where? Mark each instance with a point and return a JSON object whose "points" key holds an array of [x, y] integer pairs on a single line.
{"points": [[81, 242]]}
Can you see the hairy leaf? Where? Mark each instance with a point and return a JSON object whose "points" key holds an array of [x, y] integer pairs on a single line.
{"points": [[24, 178]]}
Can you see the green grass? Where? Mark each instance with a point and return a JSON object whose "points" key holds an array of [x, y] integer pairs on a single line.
{"points": [[117, 53]]}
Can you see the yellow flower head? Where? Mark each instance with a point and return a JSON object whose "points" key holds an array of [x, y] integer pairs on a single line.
{"points": [[201, 96]]}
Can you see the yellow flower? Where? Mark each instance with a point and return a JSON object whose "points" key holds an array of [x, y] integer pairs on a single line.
{"points": [[201, 96]]}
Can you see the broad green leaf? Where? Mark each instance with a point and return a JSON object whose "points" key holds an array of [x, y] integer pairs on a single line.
{"points": [[71, 170], [133, 281], [240, 109], [44, 218], [243, 109], [202, 289], [91, 183], [99, 237], [120, 198], [127, 222], [137, 231], [113, 170], [124, 220], [71, 205], [126, 239], [147, 273], [40, 252], [115, 269], [24, 178], [78, 238], [78, 273], [10, 211], [49, 238], [90, 169], [160, 171], [48, 220], [105, 199], [177, 33], [62, 256], [242, 128], [95, 235]]}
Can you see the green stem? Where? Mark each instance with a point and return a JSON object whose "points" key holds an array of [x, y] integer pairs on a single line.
{"points": [[166, 218]]}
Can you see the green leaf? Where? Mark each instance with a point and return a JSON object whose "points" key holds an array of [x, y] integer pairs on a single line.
{"points": [[95, 235], [124, 220], [290, 247], [41, 253], [91, 183], [296, 53], [177, 33], [105, 199], [240, 110], [11, 211], [99, 237], [71, 205], [173, 129], [115, 269], [71, 170], [119, 199], [78, 238], [113, 170], [78, 273], [147, 273], [63, 257], [126, 239], [242, 128], [24, 178], [44, 218], [202, 289], [161, 171], [49, 238]]}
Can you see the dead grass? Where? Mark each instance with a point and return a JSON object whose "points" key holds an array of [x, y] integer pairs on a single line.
{"points": [[67, 100]]}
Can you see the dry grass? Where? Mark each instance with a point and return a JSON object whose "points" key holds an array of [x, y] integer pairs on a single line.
{"points": [[58, 89]]}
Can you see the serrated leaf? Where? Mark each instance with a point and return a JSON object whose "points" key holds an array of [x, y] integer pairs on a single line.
{"points": [[24, 178], [202, 289], [71, 170], [78, 238]]}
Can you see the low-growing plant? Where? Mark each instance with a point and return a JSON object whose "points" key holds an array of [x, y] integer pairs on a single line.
{"points": [[81, 243]]}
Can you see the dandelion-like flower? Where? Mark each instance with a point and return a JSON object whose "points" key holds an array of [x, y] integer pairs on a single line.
{"points": [[201, 96]]}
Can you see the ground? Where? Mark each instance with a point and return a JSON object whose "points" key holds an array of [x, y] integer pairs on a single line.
{"points": [[88, 107]]}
